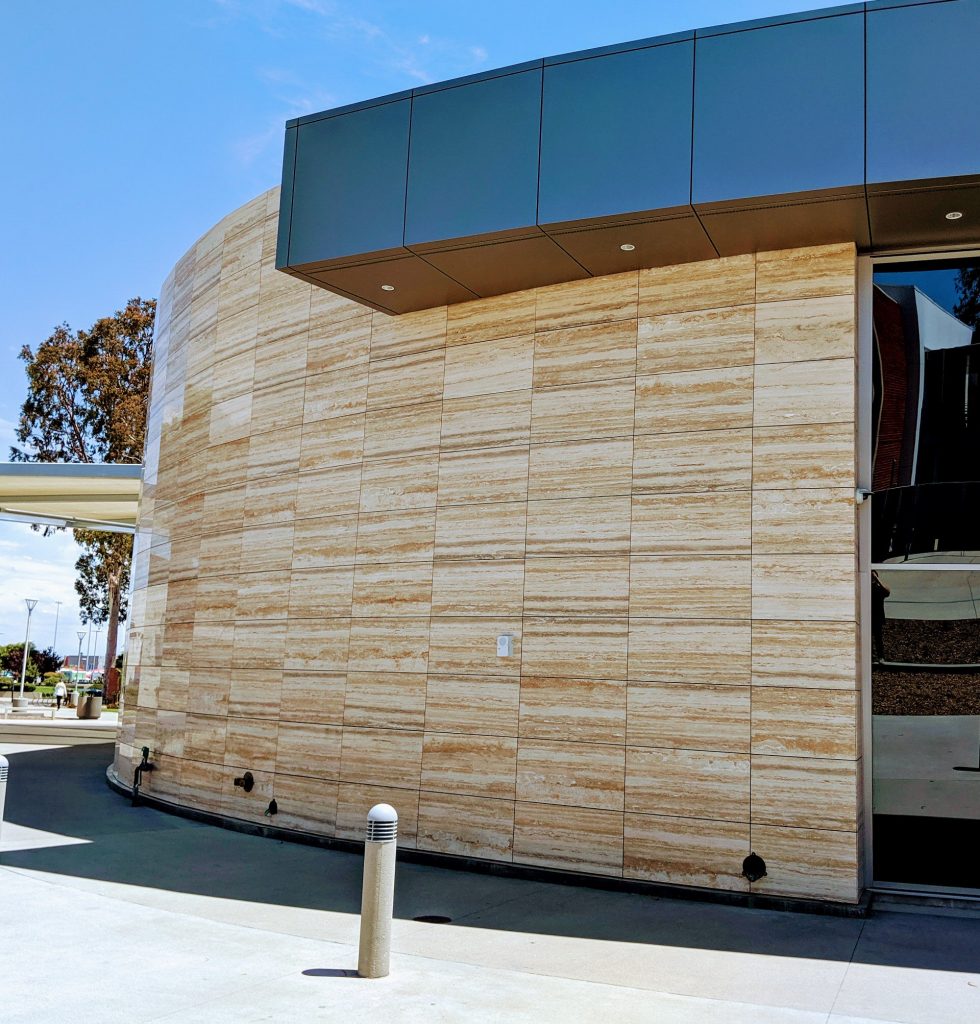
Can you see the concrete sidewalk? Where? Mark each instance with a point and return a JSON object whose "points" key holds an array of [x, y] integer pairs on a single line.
{"points": [[132, 914]]}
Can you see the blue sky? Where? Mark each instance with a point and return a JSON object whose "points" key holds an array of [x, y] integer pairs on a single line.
{"points": [[132, 126]]}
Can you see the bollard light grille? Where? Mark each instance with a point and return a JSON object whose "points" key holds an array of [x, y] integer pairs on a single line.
{"points": [[382, 831], [3, 772]]}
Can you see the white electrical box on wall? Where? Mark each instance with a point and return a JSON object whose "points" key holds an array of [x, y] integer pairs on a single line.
{"points": [[505, 646]]}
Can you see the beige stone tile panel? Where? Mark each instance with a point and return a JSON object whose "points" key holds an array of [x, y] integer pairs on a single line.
{"points": [[488, 367], [711, 284], [821, 864], [204, 738], [263, 595], [686, 851], [468, 646], [717, 399], [483, 476], [259, 642], [799, 722], [306, 805], [406, 380], [569, 838], [233, 377], [230, 420], [690, 716], [408, 430], [599, 300], [270, 501], [587, 585], [817, 328], [690, 650], [708, 460], [309, 749], [804, 654], [267, 548], [804, 587], [321, 592], [340, 345], [579, 355], [223, 510], [335, 393], [382, 757], [227, 465], [817, 391], [809, 455], [409, 333], [325, 541], [278, 407], [700, 340], [581, 469], [317, 645], [503, 316], [396, 536], [486, 421], [389, 645], [805, 792], [481, 587], [810, 520], [690, 586], [571, 774], [478, 705], [385, 700], [688, 783], [475, 765], [575, 411], [280, 352], [579, 526], [714, 522], [250, 743], [255, 693], [579, 710], [392, 589], [806, 273], [466, 826], [236, 803], [313, 697], [354, 801], [201, 785], [481, 531], [327, 309], [577, 648], [338, 441], [400, 484]]}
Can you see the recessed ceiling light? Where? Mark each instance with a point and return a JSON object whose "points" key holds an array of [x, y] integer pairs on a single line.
{"points": [[627, 247], [387, 287], [954, 215]]}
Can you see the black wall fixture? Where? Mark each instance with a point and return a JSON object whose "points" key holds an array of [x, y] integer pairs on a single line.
{"points": [[857, 123]]}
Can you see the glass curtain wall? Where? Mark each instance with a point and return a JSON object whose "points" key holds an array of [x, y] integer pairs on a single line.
{"points": [[925, 582]]}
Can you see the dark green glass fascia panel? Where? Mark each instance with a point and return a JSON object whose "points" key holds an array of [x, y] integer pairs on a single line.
{"points": [[779, 110], [924, 92], [616, 134], [349, 184], [473, 166], [286, 199]]}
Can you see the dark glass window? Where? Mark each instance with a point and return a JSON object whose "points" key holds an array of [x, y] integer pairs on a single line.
{"points": [[925, 585]]}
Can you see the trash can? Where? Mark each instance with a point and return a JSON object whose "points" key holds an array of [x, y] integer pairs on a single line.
{"points": [[89, 705]]}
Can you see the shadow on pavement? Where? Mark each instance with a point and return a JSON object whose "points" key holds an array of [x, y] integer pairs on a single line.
{"points": [[63, 791]]}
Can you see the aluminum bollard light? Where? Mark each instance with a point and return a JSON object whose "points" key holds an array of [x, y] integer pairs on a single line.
{"points": [[4, 773]]}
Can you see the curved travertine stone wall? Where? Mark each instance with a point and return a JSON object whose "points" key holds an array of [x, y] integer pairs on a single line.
{"points": [[646, 479]]}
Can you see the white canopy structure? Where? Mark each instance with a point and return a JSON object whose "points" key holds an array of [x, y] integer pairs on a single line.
{"points": [[87, 496]]}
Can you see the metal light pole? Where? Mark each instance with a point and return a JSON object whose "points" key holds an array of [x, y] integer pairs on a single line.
{"points": [[78, 667], [57, 612], [27, 639]]}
